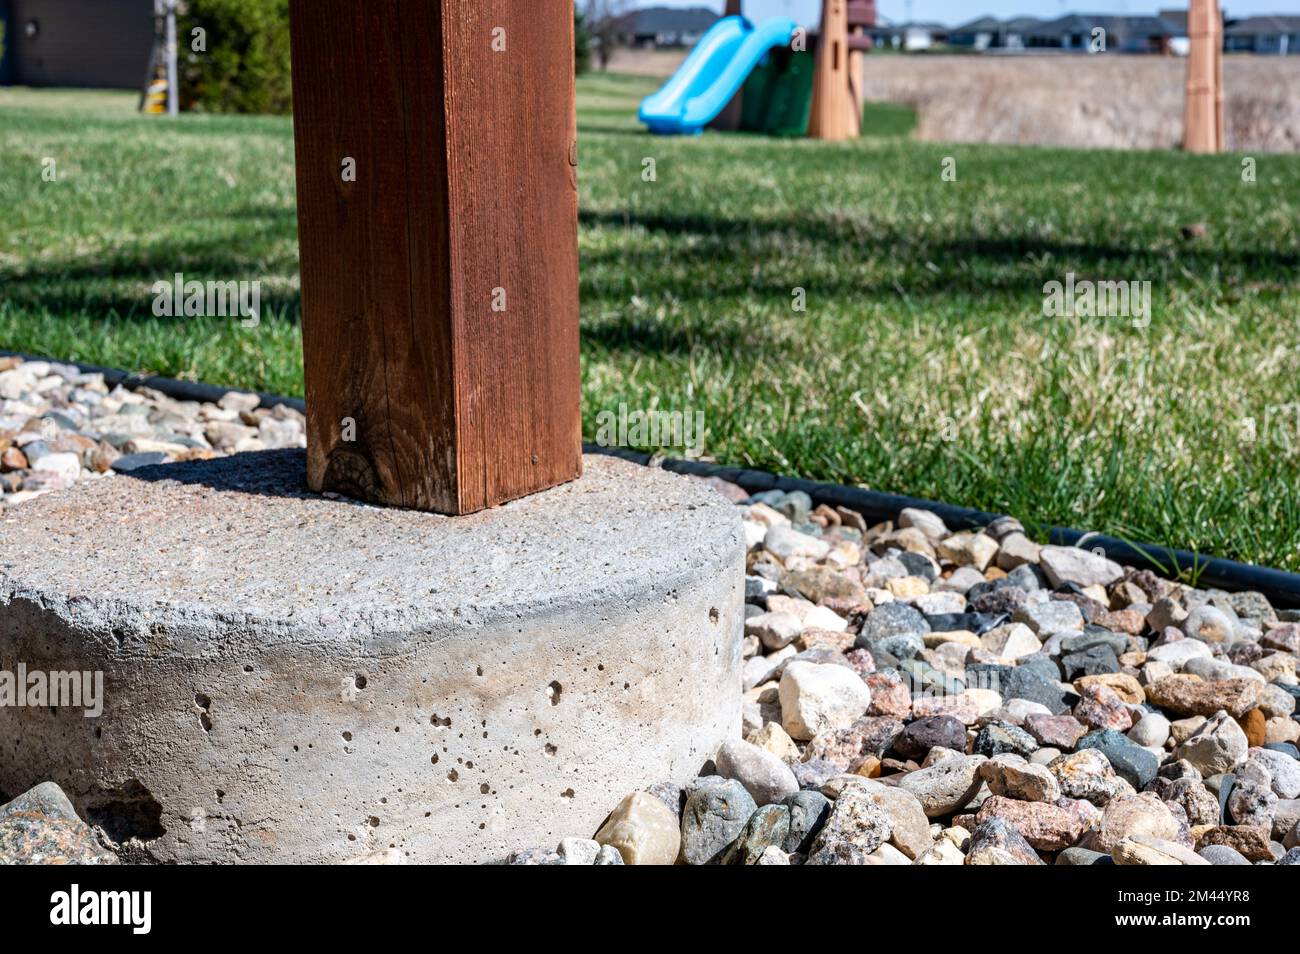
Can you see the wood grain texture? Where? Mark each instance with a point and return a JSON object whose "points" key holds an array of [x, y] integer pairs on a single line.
{"points": [[1203, 97], [833, 116], [465, 195]]}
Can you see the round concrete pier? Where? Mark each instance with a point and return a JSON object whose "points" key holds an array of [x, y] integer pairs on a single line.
{"points": [[294, 678]]}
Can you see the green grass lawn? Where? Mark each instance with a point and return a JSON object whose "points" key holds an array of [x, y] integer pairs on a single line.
{"points": [[922, 364]]}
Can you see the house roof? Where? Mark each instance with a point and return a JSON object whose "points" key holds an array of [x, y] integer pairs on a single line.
{"points": [[990, 24], [980, 25], [1021, 24], [1115, 24], [1175, 18], [670, 20], [1252, 26]]}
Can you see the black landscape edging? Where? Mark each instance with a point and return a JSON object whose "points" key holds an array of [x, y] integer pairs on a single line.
{"points": [[1280, 587]]}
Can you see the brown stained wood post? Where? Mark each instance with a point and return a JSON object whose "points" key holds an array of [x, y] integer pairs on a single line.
{"points": [[1203, 97], [833, 116], [437, 225]]}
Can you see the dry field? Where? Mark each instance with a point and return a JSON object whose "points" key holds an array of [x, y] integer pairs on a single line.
{"points": [[1112, 102]]}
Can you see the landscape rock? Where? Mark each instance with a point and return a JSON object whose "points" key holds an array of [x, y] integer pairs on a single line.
{"points": [[715, 816], [996, 841], [855, 828], [643, 830], [815, 698], [1216, 746], [764, 776], [945, 787]]}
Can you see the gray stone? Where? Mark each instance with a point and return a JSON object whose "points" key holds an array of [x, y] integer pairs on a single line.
{"points": [[996, 842], [891, 619], [1054, 616], [1134, 764], [995, 739], [945, 787], [714, 817], [768, 827], [580, 851], [855, 828], [1074, 565], [537, 658], [765, 777], [1083, 856], [1252, 803], [608, 855], [1222, 855], [808, 812], [1283, 769]]}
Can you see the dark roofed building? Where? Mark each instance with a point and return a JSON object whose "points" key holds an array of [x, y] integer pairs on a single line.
{"points": [[990, 33], [1276, 34], [1121, 34], [667, 26], [94, 43]]}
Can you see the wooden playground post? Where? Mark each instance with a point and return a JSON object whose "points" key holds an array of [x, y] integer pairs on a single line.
{"points": [[437, 209], [1203, 96], [861, 15], [729, 119], [833, 116]]}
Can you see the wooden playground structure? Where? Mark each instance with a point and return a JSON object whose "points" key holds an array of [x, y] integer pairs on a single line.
{"points": [[838, 95]]}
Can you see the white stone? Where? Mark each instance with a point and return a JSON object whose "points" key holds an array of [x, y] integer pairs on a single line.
{"points": [[67, 466], [928, 523], [1013, 641], [1179, 652], [774, 630], [783, 543], [1075, 565], [822, 617], [975, 550], [1016, 550], [817, 697], [1151, 731]]}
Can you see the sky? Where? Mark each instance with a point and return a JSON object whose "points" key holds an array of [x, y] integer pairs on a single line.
{"points": [[953, 12]]}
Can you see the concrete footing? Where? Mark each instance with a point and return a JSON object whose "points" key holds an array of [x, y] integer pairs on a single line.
{"points": [[293, 678]]}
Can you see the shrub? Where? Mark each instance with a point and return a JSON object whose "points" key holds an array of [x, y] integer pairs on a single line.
{"points": [[245, 66], [581, 44]]}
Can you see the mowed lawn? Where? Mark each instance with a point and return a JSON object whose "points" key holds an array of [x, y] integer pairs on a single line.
{"points": [[922, 364]]}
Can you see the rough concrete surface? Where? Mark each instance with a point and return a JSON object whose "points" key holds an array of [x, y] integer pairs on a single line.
{"points": [[294, 678]]}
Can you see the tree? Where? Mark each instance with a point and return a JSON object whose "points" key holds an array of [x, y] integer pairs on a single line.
{"points": [[581, 43], [605, 20], [239, 62]]}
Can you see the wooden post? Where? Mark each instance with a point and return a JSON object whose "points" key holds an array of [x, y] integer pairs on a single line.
{"points": [[833, 116], [1203, 98], [861, 15], [437, 223], [729, 119]]}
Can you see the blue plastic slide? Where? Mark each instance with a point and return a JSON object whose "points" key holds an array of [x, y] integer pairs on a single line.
{"points": [[712, 73]]}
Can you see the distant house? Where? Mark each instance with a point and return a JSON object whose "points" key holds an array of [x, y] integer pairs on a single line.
{"points": [[666, 27], [979, 34], [909, 36], [1269, 35], [1120, 34], [93, 43], [1179, 42], [990, 33]]}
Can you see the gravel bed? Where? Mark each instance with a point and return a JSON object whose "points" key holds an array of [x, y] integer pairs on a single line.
{"points": [[60, 426], [917, 696]]}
